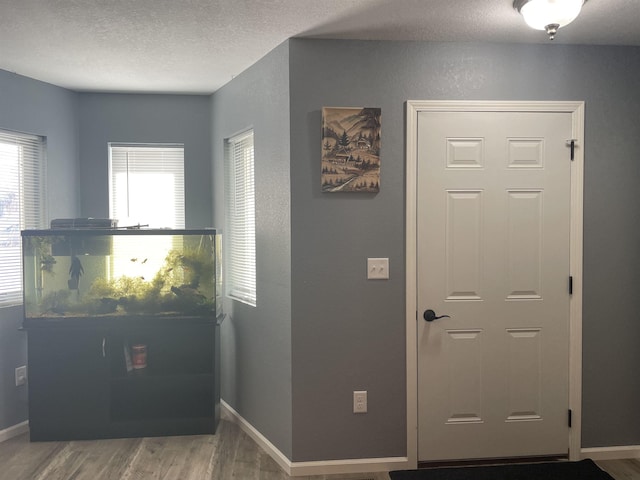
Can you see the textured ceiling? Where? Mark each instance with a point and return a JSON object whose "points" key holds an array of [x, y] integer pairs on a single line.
{"points": [[196, 46]]}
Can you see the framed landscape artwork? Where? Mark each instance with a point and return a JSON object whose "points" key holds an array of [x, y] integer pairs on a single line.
{"points": [[351, 149]]}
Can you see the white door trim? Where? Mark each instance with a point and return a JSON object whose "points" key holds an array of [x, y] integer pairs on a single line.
{"points": [[576, 109]]}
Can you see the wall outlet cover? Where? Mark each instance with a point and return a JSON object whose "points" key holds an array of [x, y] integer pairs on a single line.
{"points": [[360, 401], [21, 375]]}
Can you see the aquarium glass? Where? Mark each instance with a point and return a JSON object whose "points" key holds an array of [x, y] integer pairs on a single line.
{"points": [[110, 272]]}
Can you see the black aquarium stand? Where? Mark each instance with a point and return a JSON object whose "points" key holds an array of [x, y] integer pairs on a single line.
{"points": [[82, 384]]}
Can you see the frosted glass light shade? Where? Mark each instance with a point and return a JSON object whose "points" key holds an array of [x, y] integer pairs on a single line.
{"points": [[539, 14]]}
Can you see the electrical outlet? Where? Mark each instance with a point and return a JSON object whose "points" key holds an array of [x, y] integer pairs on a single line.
{"points": [[21, 375], [360, 402]]}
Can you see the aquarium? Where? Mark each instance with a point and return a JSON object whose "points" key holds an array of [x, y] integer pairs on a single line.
{"points": [[106, 272]]}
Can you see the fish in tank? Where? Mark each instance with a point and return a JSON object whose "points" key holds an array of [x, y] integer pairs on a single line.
{"points": [[119, 272]]}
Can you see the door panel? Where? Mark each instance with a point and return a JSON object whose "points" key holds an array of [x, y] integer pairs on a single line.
{"points": [[463, 248], [493, 239]]}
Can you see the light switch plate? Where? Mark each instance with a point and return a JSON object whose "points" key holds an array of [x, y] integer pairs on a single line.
{"points": [[378, 268]]}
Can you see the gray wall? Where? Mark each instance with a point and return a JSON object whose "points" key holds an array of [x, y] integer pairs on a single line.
{"points": [[31, 106], [348, 333], [256, 341], [105, 118]]}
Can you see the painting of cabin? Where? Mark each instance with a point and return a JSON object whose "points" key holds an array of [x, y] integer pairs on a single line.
{"points": [[351, 149]]}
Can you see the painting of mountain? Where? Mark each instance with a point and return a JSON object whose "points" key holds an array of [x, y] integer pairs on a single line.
{"points": [[351, 149]]}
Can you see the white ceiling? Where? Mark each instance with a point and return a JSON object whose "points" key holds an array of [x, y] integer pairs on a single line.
{"points": [[196, 46]]}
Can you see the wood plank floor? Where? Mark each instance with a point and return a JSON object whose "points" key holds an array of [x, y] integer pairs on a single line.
{"points": [[621, 469], [230, 454]]}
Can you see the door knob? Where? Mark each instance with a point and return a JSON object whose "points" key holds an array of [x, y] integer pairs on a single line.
{"points": [[430, 316]]}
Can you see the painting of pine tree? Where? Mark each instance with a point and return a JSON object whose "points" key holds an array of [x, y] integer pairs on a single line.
{"points": [[351, 149]]}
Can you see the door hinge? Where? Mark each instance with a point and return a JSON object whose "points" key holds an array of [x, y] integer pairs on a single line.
{"points": [[569, 417], [572, 143], [570, 285]]}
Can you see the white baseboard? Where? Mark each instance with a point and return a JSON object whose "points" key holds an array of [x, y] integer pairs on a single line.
{"points": [[230, 414], [359, 465], [14, 431], [611, 453]]}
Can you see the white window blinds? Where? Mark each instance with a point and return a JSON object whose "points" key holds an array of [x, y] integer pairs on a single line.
{"points": [[240, 242], [22, 204], [147, 184]]}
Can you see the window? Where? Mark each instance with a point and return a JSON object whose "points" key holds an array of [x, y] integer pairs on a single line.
{"points": [[240, 205], [146, 188], [22, 205], [147, 184]]}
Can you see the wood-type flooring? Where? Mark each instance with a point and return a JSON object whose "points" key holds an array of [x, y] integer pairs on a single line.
{"points": [[228, 455]]}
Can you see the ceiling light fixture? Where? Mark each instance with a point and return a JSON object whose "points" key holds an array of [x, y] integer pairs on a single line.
{"points": [[548, 15]]}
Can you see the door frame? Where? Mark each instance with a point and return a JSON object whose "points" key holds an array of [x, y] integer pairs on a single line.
{"points": [[576, 109]]}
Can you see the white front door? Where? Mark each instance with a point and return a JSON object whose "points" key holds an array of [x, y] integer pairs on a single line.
{"points": [[493, 253]]}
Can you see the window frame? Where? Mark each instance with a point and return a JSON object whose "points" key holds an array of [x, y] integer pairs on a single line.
{"points": [[32, 213], [240, 218], [159, 166]]}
